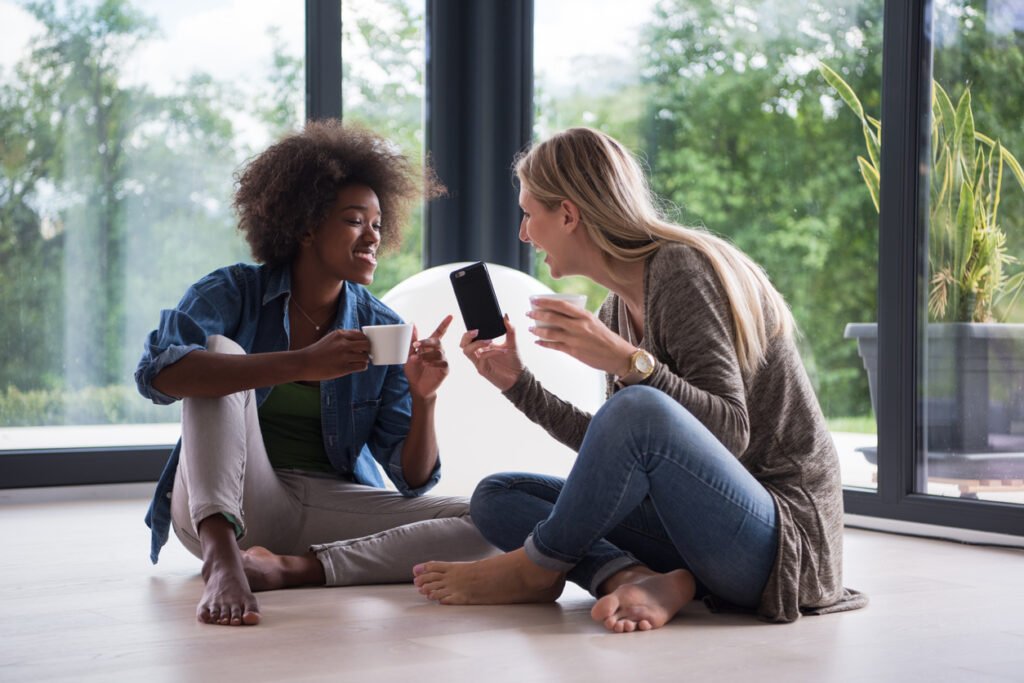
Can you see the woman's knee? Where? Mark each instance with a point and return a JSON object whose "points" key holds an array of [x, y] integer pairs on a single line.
{"points": [[637, 410], [485, 501], [638, 401]]}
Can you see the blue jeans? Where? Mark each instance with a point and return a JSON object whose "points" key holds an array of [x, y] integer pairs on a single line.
{"points": [[651, 485]]}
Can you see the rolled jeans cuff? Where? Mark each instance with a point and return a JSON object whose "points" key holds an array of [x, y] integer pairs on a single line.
{"points": [[544, 561], [610, 569]]}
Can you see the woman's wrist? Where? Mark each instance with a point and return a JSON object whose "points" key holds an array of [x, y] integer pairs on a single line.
{"points": [[425, 401]]}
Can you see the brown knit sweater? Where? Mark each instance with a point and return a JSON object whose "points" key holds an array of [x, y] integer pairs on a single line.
{"points": [[769, 419]]}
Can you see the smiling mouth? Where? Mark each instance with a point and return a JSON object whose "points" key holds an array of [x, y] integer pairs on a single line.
{"points": [[366, 255]]}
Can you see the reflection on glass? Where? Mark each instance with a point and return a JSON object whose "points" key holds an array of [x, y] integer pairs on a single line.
{"points": [[122, 123], [383, 48], [972, 391], [741, 133]]}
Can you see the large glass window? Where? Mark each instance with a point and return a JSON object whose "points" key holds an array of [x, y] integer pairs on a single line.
{"points": [[122, 124], [972, 387], [742, 133], [383, 63]]}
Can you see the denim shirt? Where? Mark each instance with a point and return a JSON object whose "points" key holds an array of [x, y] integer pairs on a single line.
{"points": [[365, 415]]}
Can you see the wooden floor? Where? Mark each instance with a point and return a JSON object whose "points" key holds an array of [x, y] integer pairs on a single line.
{"points": [[79, 601]]}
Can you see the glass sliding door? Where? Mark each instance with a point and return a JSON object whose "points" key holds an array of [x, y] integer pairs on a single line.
{"points": [[972, 380], [383, 45], [743, 134], [122, 124]]}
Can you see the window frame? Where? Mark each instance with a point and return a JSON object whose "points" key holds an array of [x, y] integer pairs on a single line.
{"points": [[906, 83]]}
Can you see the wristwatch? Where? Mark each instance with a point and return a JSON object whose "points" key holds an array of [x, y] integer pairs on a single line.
{"points": [[641, 365]]}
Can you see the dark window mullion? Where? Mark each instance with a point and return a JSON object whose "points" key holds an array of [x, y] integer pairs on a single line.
{"points": [[902, 268], [323, 59], [906, 72]]}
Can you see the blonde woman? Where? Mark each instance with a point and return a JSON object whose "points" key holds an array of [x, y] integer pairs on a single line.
{"points": [[709, 472]]}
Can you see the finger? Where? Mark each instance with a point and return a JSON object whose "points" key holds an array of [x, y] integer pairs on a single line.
{"points": [[468, 338], [353, 335], [472, 348], [358, 345], [429, 343], [510, 333], [490, 351], [354, 357], [431, 357], [566, 308], [556, 346], [354, 367], [442, 328], [414, 345], [555, 334]]}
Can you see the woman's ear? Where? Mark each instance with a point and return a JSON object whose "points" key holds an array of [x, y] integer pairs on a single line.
{"points": [[570, 215], [307, 238]]}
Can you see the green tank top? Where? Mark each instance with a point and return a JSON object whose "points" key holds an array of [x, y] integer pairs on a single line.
{"points": [[292, 432]]}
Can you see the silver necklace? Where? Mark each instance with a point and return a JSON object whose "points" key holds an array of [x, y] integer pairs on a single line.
{"points": [[306, 315]]}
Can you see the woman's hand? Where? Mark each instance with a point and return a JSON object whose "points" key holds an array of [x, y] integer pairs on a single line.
{"points": [[336, 354], [499, 364], [579, 333], [427, 366]]}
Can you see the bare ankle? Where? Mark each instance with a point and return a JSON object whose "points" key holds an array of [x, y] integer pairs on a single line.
{"points": [[623, 576]]}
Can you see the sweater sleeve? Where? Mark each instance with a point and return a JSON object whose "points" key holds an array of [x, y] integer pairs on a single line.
{"points": [[562, 420], [689, 330]]}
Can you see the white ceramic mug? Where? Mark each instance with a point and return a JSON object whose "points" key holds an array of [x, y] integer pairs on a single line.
{"points": [[389, 344], [578, 300]]}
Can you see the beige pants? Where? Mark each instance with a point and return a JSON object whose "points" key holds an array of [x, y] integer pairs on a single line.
{"points": [[361, 534]]}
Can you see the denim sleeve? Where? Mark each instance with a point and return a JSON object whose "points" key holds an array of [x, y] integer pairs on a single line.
{"points": [[390, 430], [209, 307]]}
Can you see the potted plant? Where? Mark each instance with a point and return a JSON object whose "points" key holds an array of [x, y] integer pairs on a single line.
{"points": [[974, 393]]}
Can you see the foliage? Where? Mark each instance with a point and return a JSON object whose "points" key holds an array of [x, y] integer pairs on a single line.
{"points": [[114, 198], [383, 89], [114, 404], [739, 137], [967, 248]]}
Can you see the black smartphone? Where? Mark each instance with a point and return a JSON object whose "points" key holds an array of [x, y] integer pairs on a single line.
{"points": [[479, 305]]}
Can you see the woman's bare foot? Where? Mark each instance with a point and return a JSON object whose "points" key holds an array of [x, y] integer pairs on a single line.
{"points": [[641, 599], [227, 599], [267, 571], [499, 580]]}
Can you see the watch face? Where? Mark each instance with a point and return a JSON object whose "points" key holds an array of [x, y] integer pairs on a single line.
{"points": [[644, 362]]}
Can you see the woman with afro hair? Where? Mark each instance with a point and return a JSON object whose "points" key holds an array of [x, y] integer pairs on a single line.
{"points": [[282, 413]]}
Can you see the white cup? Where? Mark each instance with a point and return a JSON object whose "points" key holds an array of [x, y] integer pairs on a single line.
{"points": [[536, 301], [389, 344]]}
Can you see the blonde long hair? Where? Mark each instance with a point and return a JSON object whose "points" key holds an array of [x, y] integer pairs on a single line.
{"points": [[619, 213]]}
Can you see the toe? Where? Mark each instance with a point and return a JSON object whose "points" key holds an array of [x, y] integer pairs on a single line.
{"points": [[604, 608], [428, 578]]}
